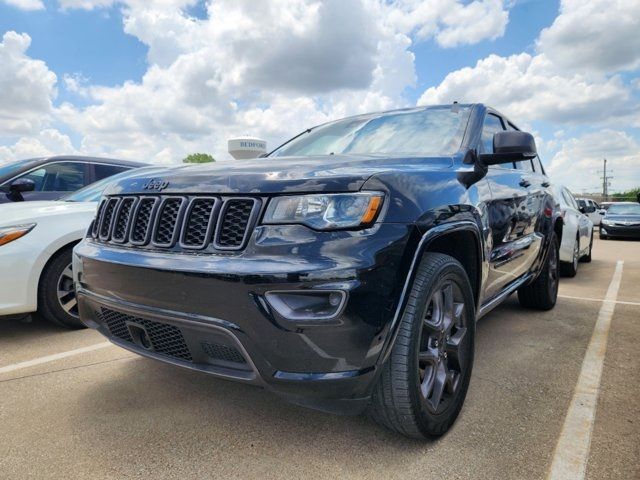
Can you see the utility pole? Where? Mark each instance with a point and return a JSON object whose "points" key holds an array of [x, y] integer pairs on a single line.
{"points": [[605, 182]]}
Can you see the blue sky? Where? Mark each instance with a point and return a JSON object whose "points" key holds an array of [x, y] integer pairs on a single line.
{"points": [[159, 79]]}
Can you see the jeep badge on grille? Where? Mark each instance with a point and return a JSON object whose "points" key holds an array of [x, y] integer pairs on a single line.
{"points": [[155, 184]]}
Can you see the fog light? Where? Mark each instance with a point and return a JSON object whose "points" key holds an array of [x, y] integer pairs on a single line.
{"points": [[603, 231], [307, 304]]}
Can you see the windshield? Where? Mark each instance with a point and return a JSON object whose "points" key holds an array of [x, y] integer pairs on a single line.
{"points": [[422, 132], [624, 209], [93, 192], [13, 167]]}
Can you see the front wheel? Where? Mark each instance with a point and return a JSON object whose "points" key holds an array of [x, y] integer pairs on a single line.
{"points": [[543, 292], [57, 294], [424, 381]]}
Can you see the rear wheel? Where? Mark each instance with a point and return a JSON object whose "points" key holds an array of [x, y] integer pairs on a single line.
{"points": [[56, 293], [569, 269], [424, 382], [543, 292]]}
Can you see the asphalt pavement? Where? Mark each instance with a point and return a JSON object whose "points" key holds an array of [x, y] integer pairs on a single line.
{"points": [[101, 412]]}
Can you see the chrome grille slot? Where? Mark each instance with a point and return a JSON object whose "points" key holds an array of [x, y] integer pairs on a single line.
{"points": [[167, 221], [199, 222], [233, 224], [140, 230], [123, 220], [106, 219]]}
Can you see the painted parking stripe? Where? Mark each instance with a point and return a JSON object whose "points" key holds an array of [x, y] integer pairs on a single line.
{"points": [[572, 450], [54, 357], [621, 302]]}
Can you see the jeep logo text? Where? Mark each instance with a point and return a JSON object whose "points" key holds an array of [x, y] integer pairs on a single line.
{"points": [[155, 184]]}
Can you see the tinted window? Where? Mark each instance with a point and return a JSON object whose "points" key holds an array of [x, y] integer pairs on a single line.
{"points": [[425, 131], [58, 177], [104, 171], [492, 124]]}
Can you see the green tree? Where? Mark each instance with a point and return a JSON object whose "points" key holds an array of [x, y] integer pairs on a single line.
{"points": [[629, 195], [198, 158]]}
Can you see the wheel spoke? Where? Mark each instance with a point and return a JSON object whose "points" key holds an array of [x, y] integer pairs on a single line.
{"points": [[456, 347], [69, 304], [439, 384], [428, 356], [67, 272]]}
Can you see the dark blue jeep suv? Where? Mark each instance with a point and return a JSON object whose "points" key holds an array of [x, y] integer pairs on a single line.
{"points": [[345, 271]]}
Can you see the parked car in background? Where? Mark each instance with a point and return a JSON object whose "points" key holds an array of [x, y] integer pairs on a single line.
{"points": [[345, 271], [49, 178], [591, 209], [577, 234], [36, 239], [621, 220]]}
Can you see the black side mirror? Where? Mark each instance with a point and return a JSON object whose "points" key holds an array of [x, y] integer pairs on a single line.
{"points": [[22, 185], [510, 146], [582, 209]]}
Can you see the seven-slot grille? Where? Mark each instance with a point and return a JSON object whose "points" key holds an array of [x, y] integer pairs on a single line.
{"points": [[166, 221]]}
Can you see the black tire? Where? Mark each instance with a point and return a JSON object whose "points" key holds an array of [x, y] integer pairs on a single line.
{"points": [[423, 383], [543, 292], [49, 305], [570, 269], [587, 258]]}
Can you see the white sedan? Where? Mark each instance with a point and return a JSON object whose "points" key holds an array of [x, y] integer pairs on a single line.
{"points": [[36, 239], [577, 233]]}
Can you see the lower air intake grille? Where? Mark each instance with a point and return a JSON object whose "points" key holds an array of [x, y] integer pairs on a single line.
{"points": [[165, 339], [222, 352]]}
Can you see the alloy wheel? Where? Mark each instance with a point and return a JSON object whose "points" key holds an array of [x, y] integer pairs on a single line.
{"points": [[66, 292], [443, 345]]}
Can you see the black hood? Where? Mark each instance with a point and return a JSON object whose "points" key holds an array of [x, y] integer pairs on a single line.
{"points": [[328, 173]]}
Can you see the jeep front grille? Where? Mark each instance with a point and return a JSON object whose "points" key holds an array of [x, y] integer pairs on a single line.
{"points": [[176, 222]]}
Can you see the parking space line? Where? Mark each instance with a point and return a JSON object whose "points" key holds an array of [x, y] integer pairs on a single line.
{"points": [[572, 450], [598, 300], [54, 357]]}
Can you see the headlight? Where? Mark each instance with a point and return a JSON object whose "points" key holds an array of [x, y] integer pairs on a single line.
{"points": [[9, 234], [325, 211], [605, 222]]}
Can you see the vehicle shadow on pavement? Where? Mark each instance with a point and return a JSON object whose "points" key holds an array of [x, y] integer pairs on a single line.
{"points": [[32, 325], [140, 412]]}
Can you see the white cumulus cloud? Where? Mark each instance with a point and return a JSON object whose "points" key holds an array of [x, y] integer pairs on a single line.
{"points": [[600, 35], [27, 87], [28, 5]]}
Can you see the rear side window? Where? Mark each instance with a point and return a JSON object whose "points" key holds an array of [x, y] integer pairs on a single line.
{"points": [[104, 171], [568, 197]]}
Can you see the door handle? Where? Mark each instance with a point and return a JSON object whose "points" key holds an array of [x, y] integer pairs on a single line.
{"points": [[525, 183], [545, 184]]}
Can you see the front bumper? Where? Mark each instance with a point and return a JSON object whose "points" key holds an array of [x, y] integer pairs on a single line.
{"points": [[210, 312], [630, 231], [20, 269]]}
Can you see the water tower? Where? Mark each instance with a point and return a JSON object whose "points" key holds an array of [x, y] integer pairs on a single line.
{"points": [[242, 148]]}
